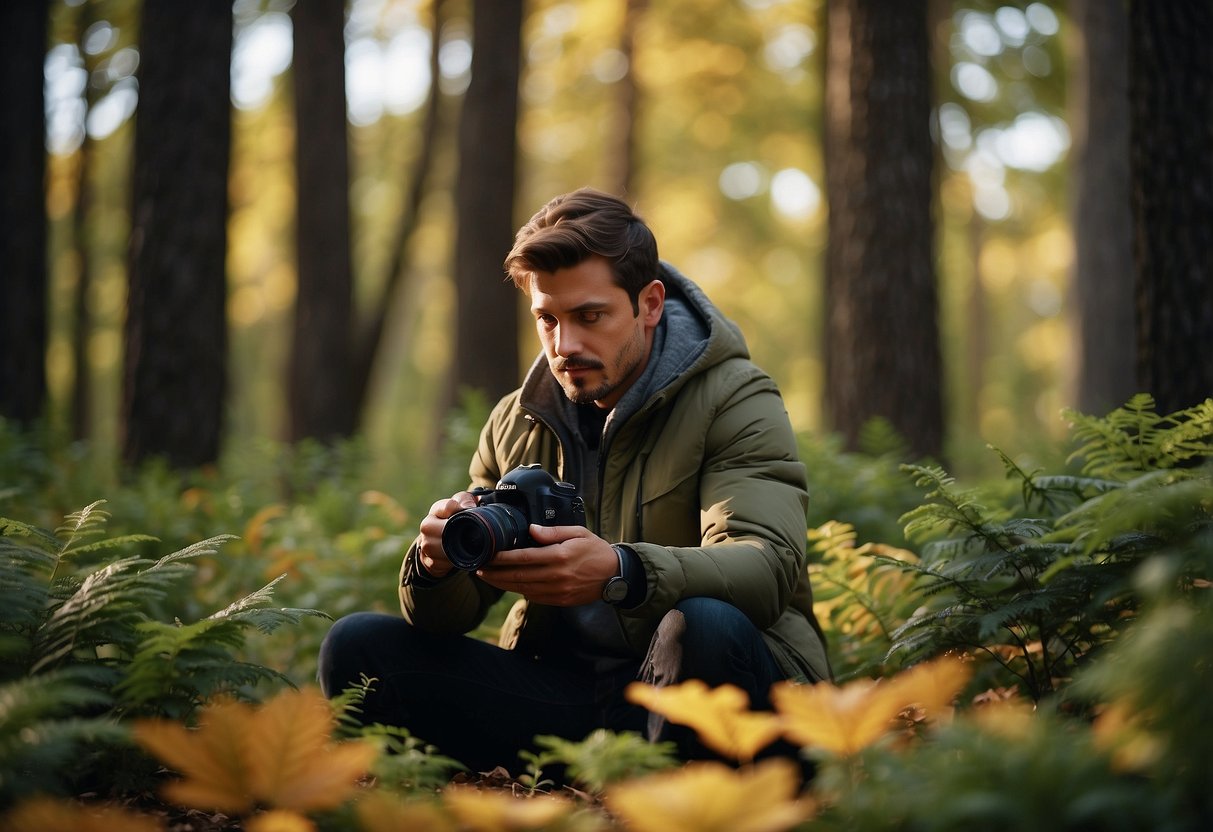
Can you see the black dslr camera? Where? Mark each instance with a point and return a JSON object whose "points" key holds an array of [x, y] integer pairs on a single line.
{"points": [[528, 494]]}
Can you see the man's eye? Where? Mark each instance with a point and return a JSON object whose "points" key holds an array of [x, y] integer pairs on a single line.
{"points": [[591, 317], [546, 321]]}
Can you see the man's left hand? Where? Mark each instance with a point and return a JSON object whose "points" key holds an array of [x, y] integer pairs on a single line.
{"points": [[570, 566]]}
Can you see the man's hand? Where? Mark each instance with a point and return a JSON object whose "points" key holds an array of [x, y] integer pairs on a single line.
{"points": [[569, 567], [433, 556]]}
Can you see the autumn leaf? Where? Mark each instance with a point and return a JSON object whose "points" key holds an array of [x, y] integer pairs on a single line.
{"points": [[847, 719], [382, 812], [721, 715], [713, 797], [44, 814], [497, 811], [212, 758], [291, 759], [279, 820], [931, 686], [839, 719], [239, 757]]}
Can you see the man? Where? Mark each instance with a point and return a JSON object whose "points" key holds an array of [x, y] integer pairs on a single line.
{"points": [[691, 563]]}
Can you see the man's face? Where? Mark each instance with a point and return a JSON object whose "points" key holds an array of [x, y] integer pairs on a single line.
{"points": [[596, 346]]}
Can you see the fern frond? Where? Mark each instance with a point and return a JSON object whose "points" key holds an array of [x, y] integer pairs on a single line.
{"points": [[39, 539], [177, 667], [86, 522], [203, 548]]}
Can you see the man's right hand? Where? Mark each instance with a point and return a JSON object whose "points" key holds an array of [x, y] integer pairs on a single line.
{"points": [[433, 557]]}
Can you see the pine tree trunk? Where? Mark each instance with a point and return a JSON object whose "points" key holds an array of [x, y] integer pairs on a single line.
{"points": [[23, 301], [1103, 223], [1171, 90], [322, 401], [176, 333], [486, 351], [882, 338]]}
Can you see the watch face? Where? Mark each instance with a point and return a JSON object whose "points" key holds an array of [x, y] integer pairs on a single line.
{"points": [[615, 590]]}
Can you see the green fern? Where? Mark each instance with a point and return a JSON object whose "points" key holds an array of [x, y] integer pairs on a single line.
{"points": [[606, 757], [1041, 583], [87, 645]]}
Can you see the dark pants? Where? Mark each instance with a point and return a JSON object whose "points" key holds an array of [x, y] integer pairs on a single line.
{"points": [[481, 704]]}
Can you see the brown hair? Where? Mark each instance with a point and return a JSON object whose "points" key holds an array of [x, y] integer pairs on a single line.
{"points": [[574, 227]]}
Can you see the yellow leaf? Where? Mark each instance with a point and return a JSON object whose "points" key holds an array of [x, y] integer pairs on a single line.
{"points": [[291, 760], [931, 685], [712, 797], [720, 716], [846, 719], [279, 820], [279, 755], [212, 758], [496, 811], [839, 719], [380, 812], [44, 814]]}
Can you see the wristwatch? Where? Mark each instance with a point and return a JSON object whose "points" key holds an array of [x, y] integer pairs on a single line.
{"points": [[616, 589]]}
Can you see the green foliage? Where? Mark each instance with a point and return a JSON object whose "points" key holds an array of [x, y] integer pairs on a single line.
{"points": [[864, 489], [604, 757], [1018, 775], [1042, 582], [87, 643], [406, 764]]}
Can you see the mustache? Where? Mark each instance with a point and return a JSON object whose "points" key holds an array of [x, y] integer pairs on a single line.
{"points": [[575, 363]]}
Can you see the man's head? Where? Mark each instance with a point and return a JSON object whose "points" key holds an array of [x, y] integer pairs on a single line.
{"points": [[575, 226], [589, 266]]}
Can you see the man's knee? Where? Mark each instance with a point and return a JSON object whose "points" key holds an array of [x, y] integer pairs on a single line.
{"points": [[348, 650], [709, 624]]}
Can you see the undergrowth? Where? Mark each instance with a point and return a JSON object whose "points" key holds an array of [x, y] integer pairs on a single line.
{"points": [[1022, 653]]}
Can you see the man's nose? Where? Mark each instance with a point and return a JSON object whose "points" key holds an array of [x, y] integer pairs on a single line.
{"points": [[568, 341]]}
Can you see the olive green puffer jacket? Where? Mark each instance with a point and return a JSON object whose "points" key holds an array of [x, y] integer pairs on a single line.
{"points": [[698, 473]]}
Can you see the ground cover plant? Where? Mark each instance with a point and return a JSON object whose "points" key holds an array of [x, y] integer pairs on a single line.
{"points": [[1025, 652]]}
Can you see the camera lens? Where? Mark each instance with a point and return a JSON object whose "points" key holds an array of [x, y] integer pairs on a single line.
{"points": [[472, 537]]}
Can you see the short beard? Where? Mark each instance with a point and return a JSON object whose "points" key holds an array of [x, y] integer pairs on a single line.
{"points": [[629, 357]]}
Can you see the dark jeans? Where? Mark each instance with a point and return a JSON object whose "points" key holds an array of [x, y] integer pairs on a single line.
{"points": [[481, 704]]}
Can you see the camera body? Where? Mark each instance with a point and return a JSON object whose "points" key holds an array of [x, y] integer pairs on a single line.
{"points": [[499, 521]]}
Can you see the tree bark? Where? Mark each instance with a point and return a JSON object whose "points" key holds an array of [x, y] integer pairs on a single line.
{"points": [[1171, 90], [882, 334], [322, 401], [486, 351], [23, 213], [176, 335], [370, 333], [1103, 223]]}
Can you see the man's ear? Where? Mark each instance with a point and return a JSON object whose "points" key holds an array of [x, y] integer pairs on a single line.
{"points": [[651, 303]]}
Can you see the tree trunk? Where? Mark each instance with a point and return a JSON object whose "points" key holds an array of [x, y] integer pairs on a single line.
{"points": [[621, 151], [882, 335], [1171, 90], [176, 334], [486, 352], [23, 310], [369, 335], [1102, 220], [322, 404]]}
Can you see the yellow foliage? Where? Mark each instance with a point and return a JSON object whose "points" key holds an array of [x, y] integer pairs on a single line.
{"points": [[279, 820], [497, 811], [711, 797], [381, 812], [1121, 733], [720, 716], [280, 755], [254, 530], [847, 719], [44, 814]]}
